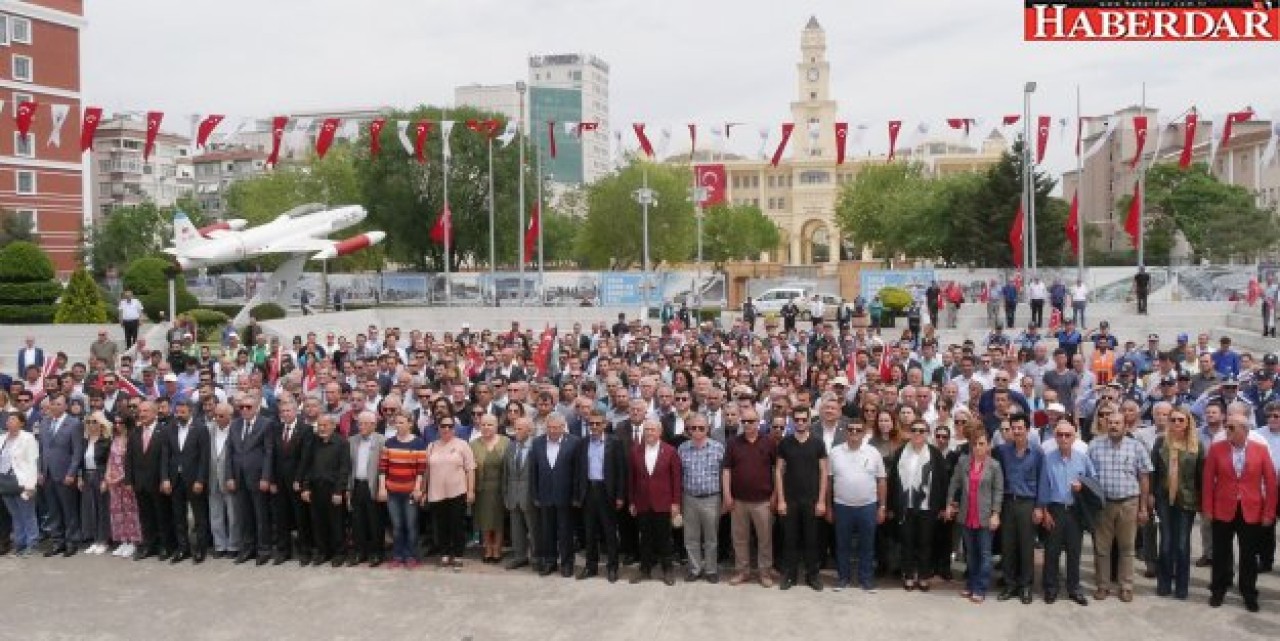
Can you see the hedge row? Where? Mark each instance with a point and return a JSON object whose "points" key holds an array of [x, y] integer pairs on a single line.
{"points": [[45, 292]]}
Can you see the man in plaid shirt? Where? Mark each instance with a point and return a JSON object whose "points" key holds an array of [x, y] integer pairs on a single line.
{"points": [[1124, 470]]}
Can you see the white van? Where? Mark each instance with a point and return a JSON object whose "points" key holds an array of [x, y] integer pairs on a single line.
{"points": [[772, 300]]}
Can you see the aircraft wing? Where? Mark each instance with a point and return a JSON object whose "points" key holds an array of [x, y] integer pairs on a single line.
{"points": [[297, 245]]}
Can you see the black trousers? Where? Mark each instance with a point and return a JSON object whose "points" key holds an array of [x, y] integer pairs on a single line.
{"points": [[63, 503], [1247, 536], [944, 534], [326, 519], [1067, 536], [1017, 542], [655, 540], [556, 533], [367, 531], [1142, 302], [916, 528], [183, 501], [290, 514], [254, 515], [628, 532], [451, 525], [1267, 546], [800, 530], [130, 332], [598, 517], [6, 526], [1037, 311], [155, 515]]}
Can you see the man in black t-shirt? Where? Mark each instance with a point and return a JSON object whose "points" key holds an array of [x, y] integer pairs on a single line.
{"points": [[801, 480]]}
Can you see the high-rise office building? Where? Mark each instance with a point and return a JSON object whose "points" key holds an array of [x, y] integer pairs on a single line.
{"points": [[570, 88]]}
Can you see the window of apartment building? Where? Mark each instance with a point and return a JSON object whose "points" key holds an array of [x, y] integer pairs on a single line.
{"points": [[31, 216], [4, 29], [23, 68], [772, 182], [129, 143], [20, 30], [104, 189], [26, 181], [815, 178], [24, 146], [782, 202], [18, 99], [773, 202], [755, 202], [575, 75], [755, 182]]}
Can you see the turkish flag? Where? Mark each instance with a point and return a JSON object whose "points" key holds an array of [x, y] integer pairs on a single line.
{"points": [[92, 116], [420, 132], [584, 127], [1015, 238], [277, 134], [1042, 137], [531, 233], [712, 178], [842, 135], [442, 231], [1073, 225], [960, 123], [154, 118], [325, 138], [542, 356], [551, 138], [1233, 118], [645, 145], [1133, 224], [205, 129], [894, 127], [26, 113], [1011, 119], [487, 128], [1188, 139], [787, 128], [1140, 137], [375, 136]]}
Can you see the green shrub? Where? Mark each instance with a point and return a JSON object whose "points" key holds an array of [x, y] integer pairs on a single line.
{"points": [[81, 302], [24, 262], [895, 298], [709, 314], [26, 314], [209, 323], [148, 279], [157, 305], [37, 292], [267, 311]]}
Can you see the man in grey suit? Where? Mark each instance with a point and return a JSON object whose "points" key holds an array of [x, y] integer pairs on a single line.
{"points": [[517, 495], [832, 427], [249, 477], [222, 503], [61, 454], [367, 531]]}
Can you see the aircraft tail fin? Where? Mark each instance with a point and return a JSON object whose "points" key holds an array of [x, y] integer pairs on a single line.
{"points": [[185, 234]]}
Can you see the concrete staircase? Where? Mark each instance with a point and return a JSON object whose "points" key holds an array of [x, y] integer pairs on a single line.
{"points": [[1244, 325], [73, 340]]}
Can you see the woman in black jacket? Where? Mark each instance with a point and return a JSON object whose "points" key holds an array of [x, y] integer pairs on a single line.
{"points": [[917, 495], [95, 513]]}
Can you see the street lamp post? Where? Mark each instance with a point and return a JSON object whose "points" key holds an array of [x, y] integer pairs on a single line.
{"points": [[520, 89], [700, 194], [1029, 181], [646, 197]]}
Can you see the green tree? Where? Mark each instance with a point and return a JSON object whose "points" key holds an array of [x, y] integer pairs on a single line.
{"points": [[148, 279], [880, 208], [27, 286], [405, 197], [127, 234], [613, 234], [14, 228], [82, 301], [738, 232], [1218, 220], [559, 237]]}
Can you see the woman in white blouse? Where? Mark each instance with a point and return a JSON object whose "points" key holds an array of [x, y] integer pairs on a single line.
{"points": [[917, 495], [18, 456]]}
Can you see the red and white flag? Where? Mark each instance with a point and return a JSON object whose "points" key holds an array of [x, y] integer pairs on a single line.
{"points": [[325, 138], [154, 118], [127, 386], [375, 136], [205, 129], [1015, 237], [1233, 118], [712, 179], [442, 231], [420, 132], [960, 124], [531, 233], [551, 138], [842, 137], [645, 145], [1132, 223], [1042, 137], [277, 136], [542, 356], [26, 113], [1073, 225], [1010, 120], [486, 128], [1140, 139], [1188, 139], [89, 126], [895, 126], [787, 128]]}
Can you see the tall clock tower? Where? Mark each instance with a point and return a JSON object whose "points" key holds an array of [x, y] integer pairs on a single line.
{"points": [[813, 112]]}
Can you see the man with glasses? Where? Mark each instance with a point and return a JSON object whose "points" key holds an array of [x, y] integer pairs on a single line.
{"points": [[518, 496], [801, 478], [747, 482], [1270, 432], [1057, 511], [250, 478], [1124, 470], [700, 460], [1239, 499], [62, 447], [326, 466], [602, 487], [859, 492]]}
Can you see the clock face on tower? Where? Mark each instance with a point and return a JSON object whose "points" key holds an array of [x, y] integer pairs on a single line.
{"points": [[813, 74]]}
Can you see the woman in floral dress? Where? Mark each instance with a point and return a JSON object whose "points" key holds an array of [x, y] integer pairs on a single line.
{"points": [[125, 528]]}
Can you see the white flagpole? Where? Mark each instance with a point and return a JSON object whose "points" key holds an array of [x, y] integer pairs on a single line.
{"points": [[1142, 190], [542, 217], [448, 230], [493, 245], [1079, 189]]}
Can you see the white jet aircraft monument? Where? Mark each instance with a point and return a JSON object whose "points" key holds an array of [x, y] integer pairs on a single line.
{"points": [[299, 232]]}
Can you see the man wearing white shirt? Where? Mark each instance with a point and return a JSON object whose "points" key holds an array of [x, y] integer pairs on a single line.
{"points": [[130, 310], [858, 492], [1036, 294]]}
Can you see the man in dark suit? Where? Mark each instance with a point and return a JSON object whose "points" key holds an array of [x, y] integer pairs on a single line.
{"points": [[289, 511], [142, 473], [249, 468], [1239, 498], [30, 355], [61, 454], [602, 487], [554, 478], [654, 483], [630, 432], [184, 475]]}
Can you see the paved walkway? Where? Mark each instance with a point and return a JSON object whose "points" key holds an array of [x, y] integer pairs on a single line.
{"points": [[108, 598]]}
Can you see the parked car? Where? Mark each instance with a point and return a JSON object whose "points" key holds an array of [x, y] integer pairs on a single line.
{"points": [[772, 300]]}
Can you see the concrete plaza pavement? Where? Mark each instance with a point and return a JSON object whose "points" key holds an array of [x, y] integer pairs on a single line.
{"points": [[107, 598]]}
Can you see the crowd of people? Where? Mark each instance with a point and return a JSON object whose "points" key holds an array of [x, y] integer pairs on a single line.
{"points": [[764, 455]]}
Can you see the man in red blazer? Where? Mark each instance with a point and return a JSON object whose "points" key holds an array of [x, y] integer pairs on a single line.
{"points": [[654, 489], [1240, 497]]}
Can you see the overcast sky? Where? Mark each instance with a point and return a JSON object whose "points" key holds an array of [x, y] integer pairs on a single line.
{"points": [[671, 62]]}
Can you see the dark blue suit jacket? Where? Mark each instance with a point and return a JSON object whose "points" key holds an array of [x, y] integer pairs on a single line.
{"points": [[555, 487], [22, 360]]}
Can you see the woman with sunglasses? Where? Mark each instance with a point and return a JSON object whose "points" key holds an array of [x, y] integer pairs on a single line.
{"points": [[451, 487], [944, 533], [1177, 462], [126, 529], [489, 452], [95, 518], [917, 496]]}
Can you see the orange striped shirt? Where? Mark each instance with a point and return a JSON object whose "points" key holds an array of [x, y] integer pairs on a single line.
{"points": [[402, 463]]}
